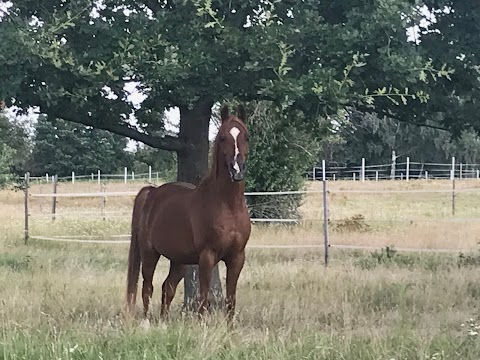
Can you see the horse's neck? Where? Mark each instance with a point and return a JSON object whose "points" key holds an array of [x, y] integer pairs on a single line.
{"points": [[225, 190]]}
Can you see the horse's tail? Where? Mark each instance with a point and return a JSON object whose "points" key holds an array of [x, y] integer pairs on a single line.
{"points": [[134, 257]]}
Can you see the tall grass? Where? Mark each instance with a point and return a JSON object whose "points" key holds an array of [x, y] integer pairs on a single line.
{"points": [[66, 301]]}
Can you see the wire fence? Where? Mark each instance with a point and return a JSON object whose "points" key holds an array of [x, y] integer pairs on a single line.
{"points": [[355, 216]]}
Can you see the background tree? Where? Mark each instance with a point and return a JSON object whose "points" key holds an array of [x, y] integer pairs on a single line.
{"points": [[62, 147], [161, 161], [75, 60], [358, 136], [16, 143], [6, 164]]}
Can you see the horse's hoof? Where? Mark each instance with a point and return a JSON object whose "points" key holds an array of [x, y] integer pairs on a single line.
{"points": [[145, 324]]}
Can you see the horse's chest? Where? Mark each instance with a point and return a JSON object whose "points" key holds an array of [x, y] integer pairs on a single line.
{"points": [[232, 234], [227, 234]]}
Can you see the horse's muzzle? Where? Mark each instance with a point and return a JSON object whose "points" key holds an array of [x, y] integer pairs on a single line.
{"points": [[238, 176], [237, 171]]}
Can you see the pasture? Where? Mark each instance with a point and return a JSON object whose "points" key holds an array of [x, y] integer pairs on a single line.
{"points": [[65, 300]]}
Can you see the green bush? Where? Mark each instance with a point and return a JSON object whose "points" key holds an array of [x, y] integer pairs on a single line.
{"points": [[280, 150], [6, 163]]}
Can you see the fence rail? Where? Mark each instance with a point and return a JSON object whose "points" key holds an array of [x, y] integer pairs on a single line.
{"points": [[397, 170], [323, 215]]}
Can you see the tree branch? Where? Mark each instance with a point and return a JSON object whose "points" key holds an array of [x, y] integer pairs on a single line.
{"points": [[154, 5], [398, 118], [167, 142]]}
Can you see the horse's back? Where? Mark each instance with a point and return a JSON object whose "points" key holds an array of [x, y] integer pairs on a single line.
{"points": [[183, 184]]}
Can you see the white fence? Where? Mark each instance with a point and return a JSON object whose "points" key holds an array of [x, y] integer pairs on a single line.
{"points": [[127, 176], [406, 170], [398, 171]]}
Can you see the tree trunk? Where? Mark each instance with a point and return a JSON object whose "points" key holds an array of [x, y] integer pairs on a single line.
{"points": [[192, 165]]}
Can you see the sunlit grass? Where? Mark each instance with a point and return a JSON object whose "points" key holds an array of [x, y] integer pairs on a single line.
{"points": [[66, 301], [411, 220]]}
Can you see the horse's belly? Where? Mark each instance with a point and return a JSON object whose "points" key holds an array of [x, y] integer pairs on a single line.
{"points": [[172, 237], [186, 259]]}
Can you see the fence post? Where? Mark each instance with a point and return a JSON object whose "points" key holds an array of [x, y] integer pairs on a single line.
{"points": [[453, 195], [313, 174], [73, 177], [478, 174], [157, 177], [407, 175], [104, 201], [426, 175], [376, 175], [54, 197], [401, 176], [27, 185], [363, 169], [126, 175], [354, 176], [99, 177], [93, 177], [461, 171], [325, 212], [149, 174], [452, 172], [133, 175], [333, 177], [46, 177]]}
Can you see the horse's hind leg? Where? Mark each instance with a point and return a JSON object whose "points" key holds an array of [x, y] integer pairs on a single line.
{"points": [[149, 262], [169, 287]]}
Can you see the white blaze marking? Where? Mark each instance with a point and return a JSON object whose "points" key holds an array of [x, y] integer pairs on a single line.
{"points": [[234, 132]]}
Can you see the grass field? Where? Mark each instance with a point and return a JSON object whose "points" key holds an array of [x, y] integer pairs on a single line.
{"points": [[65, 301]]}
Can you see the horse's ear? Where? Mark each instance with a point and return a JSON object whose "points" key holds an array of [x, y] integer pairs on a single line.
{"points": [[224, 113], [241, 113]]}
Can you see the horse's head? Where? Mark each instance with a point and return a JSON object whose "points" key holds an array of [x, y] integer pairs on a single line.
{"points": [[233, 143]]}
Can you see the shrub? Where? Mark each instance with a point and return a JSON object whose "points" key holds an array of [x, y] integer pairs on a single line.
{"points": [[280, 151]]}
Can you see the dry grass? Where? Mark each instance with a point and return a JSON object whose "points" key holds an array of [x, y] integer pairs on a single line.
{"points": [[404, 220], [65, 301]]}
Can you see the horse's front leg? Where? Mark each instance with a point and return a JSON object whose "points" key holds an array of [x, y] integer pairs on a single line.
{"points": [[206, 264], [234, 266]]}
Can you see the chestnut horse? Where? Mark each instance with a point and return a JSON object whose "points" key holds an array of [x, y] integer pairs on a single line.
{"points": [[194, 225]]}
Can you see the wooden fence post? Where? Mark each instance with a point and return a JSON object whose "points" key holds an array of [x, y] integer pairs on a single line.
{"points": [[54, 197], [27, 185], [325, 212]]}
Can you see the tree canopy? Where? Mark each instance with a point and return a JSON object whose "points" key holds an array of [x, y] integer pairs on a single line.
{"points": [[74, 59]]}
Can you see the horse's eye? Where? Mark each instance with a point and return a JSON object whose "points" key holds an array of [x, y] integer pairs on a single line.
{"points": [[222, 137]]}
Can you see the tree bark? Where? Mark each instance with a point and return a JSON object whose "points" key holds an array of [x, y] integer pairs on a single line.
{"points": [[192, 164]]}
